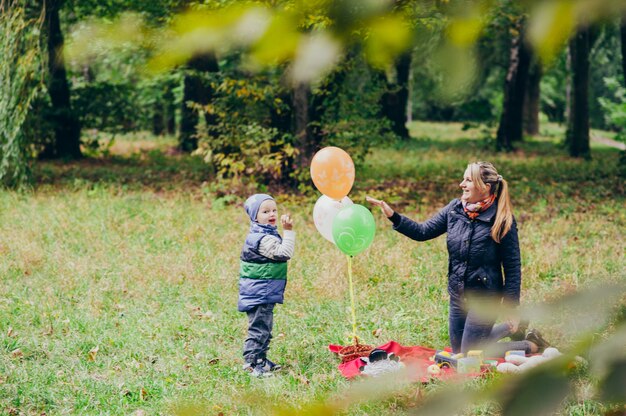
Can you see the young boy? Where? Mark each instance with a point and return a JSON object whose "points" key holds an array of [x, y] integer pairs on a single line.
{"points": [[262, 278]]}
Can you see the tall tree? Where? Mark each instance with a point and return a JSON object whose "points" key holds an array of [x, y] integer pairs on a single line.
{"points": [[511, 120], [623, 38], [308, 110], [164, 109], [64, 119], [577, 136], [170, 109], [196, 89], [303, 114], [532, 99], [395, 99]]}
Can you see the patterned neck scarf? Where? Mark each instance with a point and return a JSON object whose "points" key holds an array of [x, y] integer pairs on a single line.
{"points": [[256, 228], [473, 210]]}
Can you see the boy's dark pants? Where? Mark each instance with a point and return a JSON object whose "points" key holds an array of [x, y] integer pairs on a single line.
{"points": [[260, 322]]}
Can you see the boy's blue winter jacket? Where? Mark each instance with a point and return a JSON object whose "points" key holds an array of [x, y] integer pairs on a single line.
{"points": [[261, 280]]}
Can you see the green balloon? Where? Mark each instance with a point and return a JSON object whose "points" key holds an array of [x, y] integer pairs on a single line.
{"points": [[353, 229]]}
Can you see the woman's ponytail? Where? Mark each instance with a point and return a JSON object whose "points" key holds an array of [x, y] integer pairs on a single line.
{"points": [[504, 215], [484, 173]]}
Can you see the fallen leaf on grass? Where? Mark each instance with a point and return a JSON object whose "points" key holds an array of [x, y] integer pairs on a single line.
{"points": [[196, 311], [377, 332], [143, 394], [302, 379], [207, 315], [17, 353], [92, 353], [10, 332]]}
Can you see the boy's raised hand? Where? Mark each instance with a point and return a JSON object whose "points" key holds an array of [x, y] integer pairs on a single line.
{"points": [[286, 221], [386, 209]]}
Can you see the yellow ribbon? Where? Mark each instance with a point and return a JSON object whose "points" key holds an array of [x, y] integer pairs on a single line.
{"points": [[352, 307]]}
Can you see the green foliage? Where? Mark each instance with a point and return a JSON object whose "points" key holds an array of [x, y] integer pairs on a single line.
{"points": [[605, 62], [240, 141], [111, 90], [20, 62], [615, 113], [350, 106], [105, 106], [136, 256], [258, 154], [553, 87], [38, 125], [615, 107], [248, 126]]}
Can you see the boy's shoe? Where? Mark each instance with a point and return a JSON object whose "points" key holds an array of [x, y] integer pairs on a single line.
{"points": [[267, 365], [535, 337], [272, 366], [261, 371]]}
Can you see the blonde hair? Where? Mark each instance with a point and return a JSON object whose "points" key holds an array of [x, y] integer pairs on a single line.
{"points": [[483, 173]]}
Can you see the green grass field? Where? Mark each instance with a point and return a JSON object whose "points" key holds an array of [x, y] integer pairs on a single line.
{"points": [[119, 276]]}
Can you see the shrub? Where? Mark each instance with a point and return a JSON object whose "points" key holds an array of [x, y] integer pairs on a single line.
{"points": [[19, 63]]}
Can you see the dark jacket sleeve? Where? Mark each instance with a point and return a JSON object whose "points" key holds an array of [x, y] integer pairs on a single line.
{"points": [[511, 265], [422, 231]]}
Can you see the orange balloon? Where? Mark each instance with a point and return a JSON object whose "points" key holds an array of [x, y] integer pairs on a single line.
{"points": [[332, 171]]}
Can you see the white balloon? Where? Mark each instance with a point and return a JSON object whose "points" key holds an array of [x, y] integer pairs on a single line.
{"points": [[324, 213]]}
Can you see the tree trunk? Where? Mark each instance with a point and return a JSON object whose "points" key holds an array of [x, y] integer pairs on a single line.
{"points": [[306, 140], [309, 110], [170, 108], [511, 120], [532, 99], [394, 100], [65, 122], [568, 85], [280, 118], [164, 112], [158, 118], [195, 90], [623, 36], [409, 101], [577, 136]]}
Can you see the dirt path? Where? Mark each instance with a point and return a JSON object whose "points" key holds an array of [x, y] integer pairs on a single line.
{"points": [[608, 142]]}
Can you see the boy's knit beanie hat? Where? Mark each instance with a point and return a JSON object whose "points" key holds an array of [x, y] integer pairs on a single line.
{"points": [[253, 204]]}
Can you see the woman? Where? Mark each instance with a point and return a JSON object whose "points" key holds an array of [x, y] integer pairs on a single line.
{"points": [[484, 259]]}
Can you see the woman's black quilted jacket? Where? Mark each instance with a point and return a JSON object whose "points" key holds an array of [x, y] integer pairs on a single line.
{"points": [[476, 262]]}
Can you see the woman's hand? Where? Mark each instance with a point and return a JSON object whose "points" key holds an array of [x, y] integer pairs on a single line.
{"points": [[386, 209], [513, 323], [286, 221]]}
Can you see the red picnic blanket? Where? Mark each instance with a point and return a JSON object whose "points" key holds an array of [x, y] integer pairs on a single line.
{"points": [[417, 357]]}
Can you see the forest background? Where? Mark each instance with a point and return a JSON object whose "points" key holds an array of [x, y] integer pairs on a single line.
{"points": [[131, 132]]}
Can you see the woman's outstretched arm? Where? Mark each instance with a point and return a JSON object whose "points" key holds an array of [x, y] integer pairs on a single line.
{"points": [[419, 231]]}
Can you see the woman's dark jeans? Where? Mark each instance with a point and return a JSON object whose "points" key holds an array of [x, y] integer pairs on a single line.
{"points": [[470, 330]]}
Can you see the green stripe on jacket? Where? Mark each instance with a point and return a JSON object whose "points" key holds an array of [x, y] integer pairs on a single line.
{"points": [[277, 271]]}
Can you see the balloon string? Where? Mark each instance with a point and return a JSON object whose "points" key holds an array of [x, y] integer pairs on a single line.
{"points": [[352, 308]]}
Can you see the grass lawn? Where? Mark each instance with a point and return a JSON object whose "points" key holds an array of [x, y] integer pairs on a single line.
{"points": [[119, 276]]}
